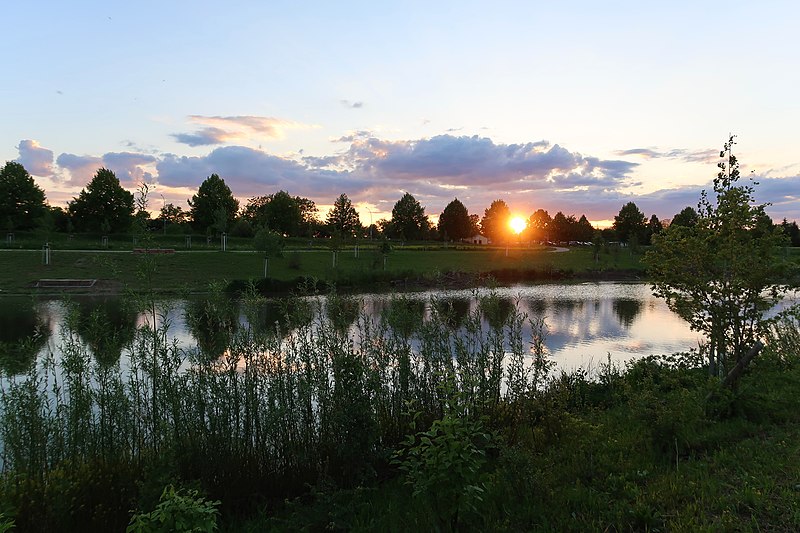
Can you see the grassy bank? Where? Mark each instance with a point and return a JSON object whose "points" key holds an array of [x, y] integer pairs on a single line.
{"points": [[193, 270]]}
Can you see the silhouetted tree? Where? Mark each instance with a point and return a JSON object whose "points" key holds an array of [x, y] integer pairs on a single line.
{"points": [[103, 205], [686, 218], [343, 219], [409, 220], [21, 200], [494, 223], [630, 224], [213, 208], [454, 222]]}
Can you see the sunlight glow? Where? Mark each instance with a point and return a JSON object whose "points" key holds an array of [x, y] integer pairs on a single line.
{"points": [[517, 224]]}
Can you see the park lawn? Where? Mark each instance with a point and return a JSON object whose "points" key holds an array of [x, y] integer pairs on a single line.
{"points": [[19, 269]]}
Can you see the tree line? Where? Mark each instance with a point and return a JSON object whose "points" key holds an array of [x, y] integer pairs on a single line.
{"points": [[104, 206]]}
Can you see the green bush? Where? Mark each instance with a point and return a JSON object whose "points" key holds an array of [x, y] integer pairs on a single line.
{"points": [[177, 511]]}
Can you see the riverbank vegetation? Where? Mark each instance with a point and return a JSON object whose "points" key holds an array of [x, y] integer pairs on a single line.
{"points": [[429, 417]]}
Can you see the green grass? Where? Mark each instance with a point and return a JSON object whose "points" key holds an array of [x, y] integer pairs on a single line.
{"points": [[194, 270]]}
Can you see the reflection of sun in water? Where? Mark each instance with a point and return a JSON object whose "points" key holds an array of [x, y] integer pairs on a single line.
{"points": [[517, 224]]}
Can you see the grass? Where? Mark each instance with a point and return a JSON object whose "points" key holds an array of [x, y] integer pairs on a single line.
{"points": [[193, 270]]}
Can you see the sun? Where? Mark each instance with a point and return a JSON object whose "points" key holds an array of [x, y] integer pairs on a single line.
{"points": [[517, 224]]}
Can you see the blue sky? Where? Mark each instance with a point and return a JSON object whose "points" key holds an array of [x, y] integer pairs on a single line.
{"points": [[571, 106]]}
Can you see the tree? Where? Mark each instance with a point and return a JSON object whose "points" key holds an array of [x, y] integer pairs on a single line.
{"points": [[630, 224], [561, 227], [21, 200], [494, 223], [720, 274], [454, 222], [686, 218], [791, 231], [654, 227], [584, 231], [288, 215], [269, 242], [409, 220], [539, 225], [213, 208], [343, 218], [103, 205]]}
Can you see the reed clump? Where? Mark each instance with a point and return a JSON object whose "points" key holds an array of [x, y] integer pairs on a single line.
{"points": [[310, 391]]}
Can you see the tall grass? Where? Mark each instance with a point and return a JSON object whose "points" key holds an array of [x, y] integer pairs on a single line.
{"points": [[252, 414]]}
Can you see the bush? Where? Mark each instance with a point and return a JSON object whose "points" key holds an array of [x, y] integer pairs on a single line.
{"points": [[177, 511]]}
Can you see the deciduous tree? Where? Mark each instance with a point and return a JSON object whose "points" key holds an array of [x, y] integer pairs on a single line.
{"points": [[213, 208], [454, 222], [494, 223], [21, 200], [630, 224], [720, 274], [343, 219], [103, 205], [409, 220]]}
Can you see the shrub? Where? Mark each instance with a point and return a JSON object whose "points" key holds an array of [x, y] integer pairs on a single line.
{"points": [[177, 511]]}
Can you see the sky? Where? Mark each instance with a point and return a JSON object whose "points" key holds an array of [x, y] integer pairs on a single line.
{"points": [[568, 106]]}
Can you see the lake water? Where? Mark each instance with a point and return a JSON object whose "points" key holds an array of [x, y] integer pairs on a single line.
{"points": [[586, 322]]}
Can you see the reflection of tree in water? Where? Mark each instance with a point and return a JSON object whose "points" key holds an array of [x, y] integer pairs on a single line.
{"points": [[537, 306], [212, 322], [342, 310], [627, 309], [452, 310], [404, 315], [106, 325], [280, 316], [22, 335], [496, 309]]}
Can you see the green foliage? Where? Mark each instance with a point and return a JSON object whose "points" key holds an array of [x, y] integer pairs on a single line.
{"points": [[494, 223], [539, 225], [409, 220], [269, 242], [725, 271], [630, 224], [444, 467], [177, 511], [213, 208], [103, 206], [280, 212], [21, 200], [343, 219], [454, 222]]}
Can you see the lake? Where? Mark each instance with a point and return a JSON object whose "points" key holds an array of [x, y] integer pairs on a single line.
{"points": [[586, 322]]}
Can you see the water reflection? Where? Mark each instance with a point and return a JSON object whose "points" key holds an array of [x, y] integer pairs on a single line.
{"points": [[453, 310], [585, 322], [23, 333], [106, 325], [212, 322], [627, 309]]}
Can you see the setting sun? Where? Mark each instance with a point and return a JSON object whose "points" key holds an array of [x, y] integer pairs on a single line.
{"points": [[517, 224]]}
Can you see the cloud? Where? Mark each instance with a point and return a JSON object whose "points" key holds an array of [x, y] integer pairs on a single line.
{"points": [[352, 105], [38, 161], [376, 171], [222, 130], [81, 168], [127, 166], [691, 156], [352, 137]]}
